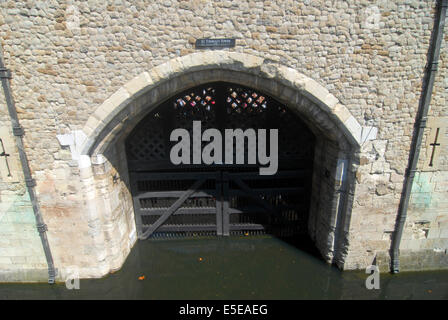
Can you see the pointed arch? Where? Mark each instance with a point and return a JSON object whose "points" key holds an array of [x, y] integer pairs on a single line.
{"points": [[315, 104]]}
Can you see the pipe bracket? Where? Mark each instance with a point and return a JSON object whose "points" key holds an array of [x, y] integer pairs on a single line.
{"points": [[42, 228], [5, 73], [18, 131], [30, 182]]}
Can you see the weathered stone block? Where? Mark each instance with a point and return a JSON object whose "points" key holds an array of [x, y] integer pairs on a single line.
{"points": [[138, 84]]}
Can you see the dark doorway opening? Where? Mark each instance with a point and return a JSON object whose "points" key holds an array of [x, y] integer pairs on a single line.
{"points": [[191, 200]]}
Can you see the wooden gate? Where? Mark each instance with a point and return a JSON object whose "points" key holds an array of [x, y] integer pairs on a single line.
{"points": [[188, 200], [219, 203]]}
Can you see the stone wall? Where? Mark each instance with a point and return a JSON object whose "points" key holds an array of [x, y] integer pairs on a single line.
{"points": [[426, 228], [21, 254], [67, 58]]}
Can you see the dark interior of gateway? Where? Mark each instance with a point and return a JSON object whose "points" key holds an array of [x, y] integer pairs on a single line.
{"points": [[188, 200]]}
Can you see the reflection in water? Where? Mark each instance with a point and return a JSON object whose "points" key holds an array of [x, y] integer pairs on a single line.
{"points": [[234, 268]]}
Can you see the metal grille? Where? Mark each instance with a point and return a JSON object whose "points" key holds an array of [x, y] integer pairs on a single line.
{"points": [[148, 141], [189, 200]]}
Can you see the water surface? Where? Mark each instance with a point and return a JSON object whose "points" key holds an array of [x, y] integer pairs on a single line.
{"points": [[260, 267]]}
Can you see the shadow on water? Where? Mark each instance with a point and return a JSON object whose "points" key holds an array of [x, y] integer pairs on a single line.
{"points": [[255, 267]]}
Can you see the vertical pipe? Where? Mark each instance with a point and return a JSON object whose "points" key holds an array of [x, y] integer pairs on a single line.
{"points": [[420, 124], [18, 132]]}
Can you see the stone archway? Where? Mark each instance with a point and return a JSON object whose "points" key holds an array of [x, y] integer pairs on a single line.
{"points": [[103, 161], [130, 101]]}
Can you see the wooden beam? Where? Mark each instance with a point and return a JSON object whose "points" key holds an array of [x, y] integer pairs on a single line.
{"points": [[176, 205]]}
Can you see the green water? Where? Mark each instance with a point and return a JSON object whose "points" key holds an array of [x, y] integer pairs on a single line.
{"points": [[234, 268]]}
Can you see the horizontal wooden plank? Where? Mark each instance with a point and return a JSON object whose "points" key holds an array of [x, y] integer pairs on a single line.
{"points": [[184, 227], [287, 174], [155, 176], [180, 211], [161, 165], [166, 165], [254, 175], [210, 193], [212, 210], [258, 208], [245, 226], [266, 191]]}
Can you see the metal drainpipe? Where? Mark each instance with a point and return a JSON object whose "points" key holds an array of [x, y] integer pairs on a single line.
{"points": [[18, 132], [420, 124]]}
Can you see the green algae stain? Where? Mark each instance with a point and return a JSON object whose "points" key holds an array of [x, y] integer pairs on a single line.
{"points": [[18, 226], [422, 191]]}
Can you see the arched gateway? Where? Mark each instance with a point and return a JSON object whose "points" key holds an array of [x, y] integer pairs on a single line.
{"points": [[127, 138], [228, 195]]}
